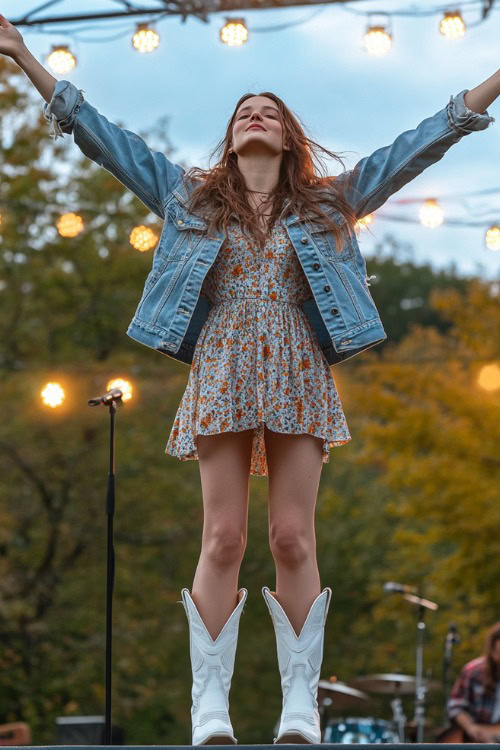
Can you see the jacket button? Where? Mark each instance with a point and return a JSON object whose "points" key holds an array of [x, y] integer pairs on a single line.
{"points": [[304, 240], [315, 266], [179, 221], [335, 310], [327, 288]]}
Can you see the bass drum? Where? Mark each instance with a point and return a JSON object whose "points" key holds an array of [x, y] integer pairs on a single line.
{"points": [[360, 730]]}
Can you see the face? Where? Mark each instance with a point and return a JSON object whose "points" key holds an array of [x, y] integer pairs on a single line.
{"points": [[267, 138]]}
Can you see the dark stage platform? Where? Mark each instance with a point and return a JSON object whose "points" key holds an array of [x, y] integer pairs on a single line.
{"points": [[402, 746]]}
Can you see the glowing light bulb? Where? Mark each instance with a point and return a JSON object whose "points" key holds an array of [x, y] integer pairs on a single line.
{"points": [[234, 32], [492, 238], [145, 39], [489, 377], [52, 395], [431, 214], [69, 225], [60, 60], [143, 238], [124, 385], [377, 41], [364, 222], [452, 25]]}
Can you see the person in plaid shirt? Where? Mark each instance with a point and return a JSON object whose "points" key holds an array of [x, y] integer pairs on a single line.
{"points": [[474, 702]]}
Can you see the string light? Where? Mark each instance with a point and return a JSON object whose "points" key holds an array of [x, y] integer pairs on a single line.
{"points": [[431, 214], [52, 395], [69, 225], [492, 238], [124, 385], [234, 33], [61, 60], [377, 41], [489, 378], [452, 25], [145, 39], [143, 238]]}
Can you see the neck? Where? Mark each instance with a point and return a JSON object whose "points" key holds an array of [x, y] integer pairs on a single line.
{"points": [[260, 172]]}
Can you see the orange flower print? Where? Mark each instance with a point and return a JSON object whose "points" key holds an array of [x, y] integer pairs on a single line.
{"points": [[299, 409], [205, 422], [237, 270]]}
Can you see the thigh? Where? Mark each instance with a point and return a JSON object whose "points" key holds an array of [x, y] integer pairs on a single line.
{"points": [[224, 461], [294, 464]]}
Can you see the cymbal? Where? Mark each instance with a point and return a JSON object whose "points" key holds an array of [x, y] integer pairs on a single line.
{"points": [[401, 684], [342, 695]]}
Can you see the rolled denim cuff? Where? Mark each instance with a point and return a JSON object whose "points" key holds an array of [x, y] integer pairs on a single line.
{"points": [[465, 120], [62, 108]]}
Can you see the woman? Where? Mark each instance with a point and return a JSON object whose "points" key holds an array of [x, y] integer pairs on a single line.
{"points": [[260, 397]]}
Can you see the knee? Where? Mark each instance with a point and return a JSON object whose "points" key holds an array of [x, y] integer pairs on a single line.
{"points": [[224, 545], [290, 545]]}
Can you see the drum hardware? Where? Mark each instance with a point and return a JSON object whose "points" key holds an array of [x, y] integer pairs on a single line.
{"points": [[452, 638], [396, 685], [420, 688], [399, 717], [335, 693], [340, 694]]}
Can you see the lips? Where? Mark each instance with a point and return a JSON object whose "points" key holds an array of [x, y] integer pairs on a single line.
{"points": [[256, 126]]}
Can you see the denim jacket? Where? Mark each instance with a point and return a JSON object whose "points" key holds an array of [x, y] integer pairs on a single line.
{"points": [[172, 311]]}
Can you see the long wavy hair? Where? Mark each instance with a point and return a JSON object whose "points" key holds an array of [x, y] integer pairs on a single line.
{"points": [[221, 193], [491, 672]]}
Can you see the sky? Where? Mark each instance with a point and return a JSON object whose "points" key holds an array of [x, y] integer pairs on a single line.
{"points": [[349, 101]]}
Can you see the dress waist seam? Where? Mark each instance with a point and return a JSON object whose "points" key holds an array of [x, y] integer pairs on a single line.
{"points": [[259, 298]]}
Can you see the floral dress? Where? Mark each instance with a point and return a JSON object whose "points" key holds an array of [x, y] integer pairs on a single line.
{"points": [[257, 358]]}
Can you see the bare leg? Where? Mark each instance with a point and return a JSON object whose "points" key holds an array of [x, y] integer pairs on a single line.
{"points": [[225, 476], [295, 463]]}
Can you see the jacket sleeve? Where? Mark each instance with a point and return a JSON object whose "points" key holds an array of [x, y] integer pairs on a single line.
{"points": [[148, 174], [376, 177], [459, 699]]}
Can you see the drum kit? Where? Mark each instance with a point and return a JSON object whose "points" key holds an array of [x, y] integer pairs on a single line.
{"points": [[355, 694]]}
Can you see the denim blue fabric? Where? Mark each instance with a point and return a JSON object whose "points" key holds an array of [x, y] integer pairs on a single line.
{"points": [[171, 311]]}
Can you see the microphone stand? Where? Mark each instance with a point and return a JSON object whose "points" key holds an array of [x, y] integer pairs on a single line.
{"points": [[112, 399], [420, 687]]}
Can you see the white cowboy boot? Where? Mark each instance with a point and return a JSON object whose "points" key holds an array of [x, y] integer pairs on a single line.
{"points": [[212, 664], [299, 660]]}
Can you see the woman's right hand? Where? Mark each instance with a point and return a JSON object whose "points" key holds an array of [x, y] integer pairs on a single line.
{"points": [[11, 41]]}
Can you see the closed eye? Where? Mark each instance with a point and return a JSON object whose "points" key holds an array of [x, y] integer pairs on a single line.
{"points": [[272, 116]]}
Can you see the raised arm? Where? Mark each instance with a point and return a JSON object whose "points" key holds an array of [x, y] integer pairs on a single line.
{"points": [[381, 174], [148, 174]]}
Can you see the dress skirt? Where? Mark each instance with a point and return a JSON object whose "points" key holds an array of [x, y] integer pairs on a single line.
{"points": [[257, 359]]}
